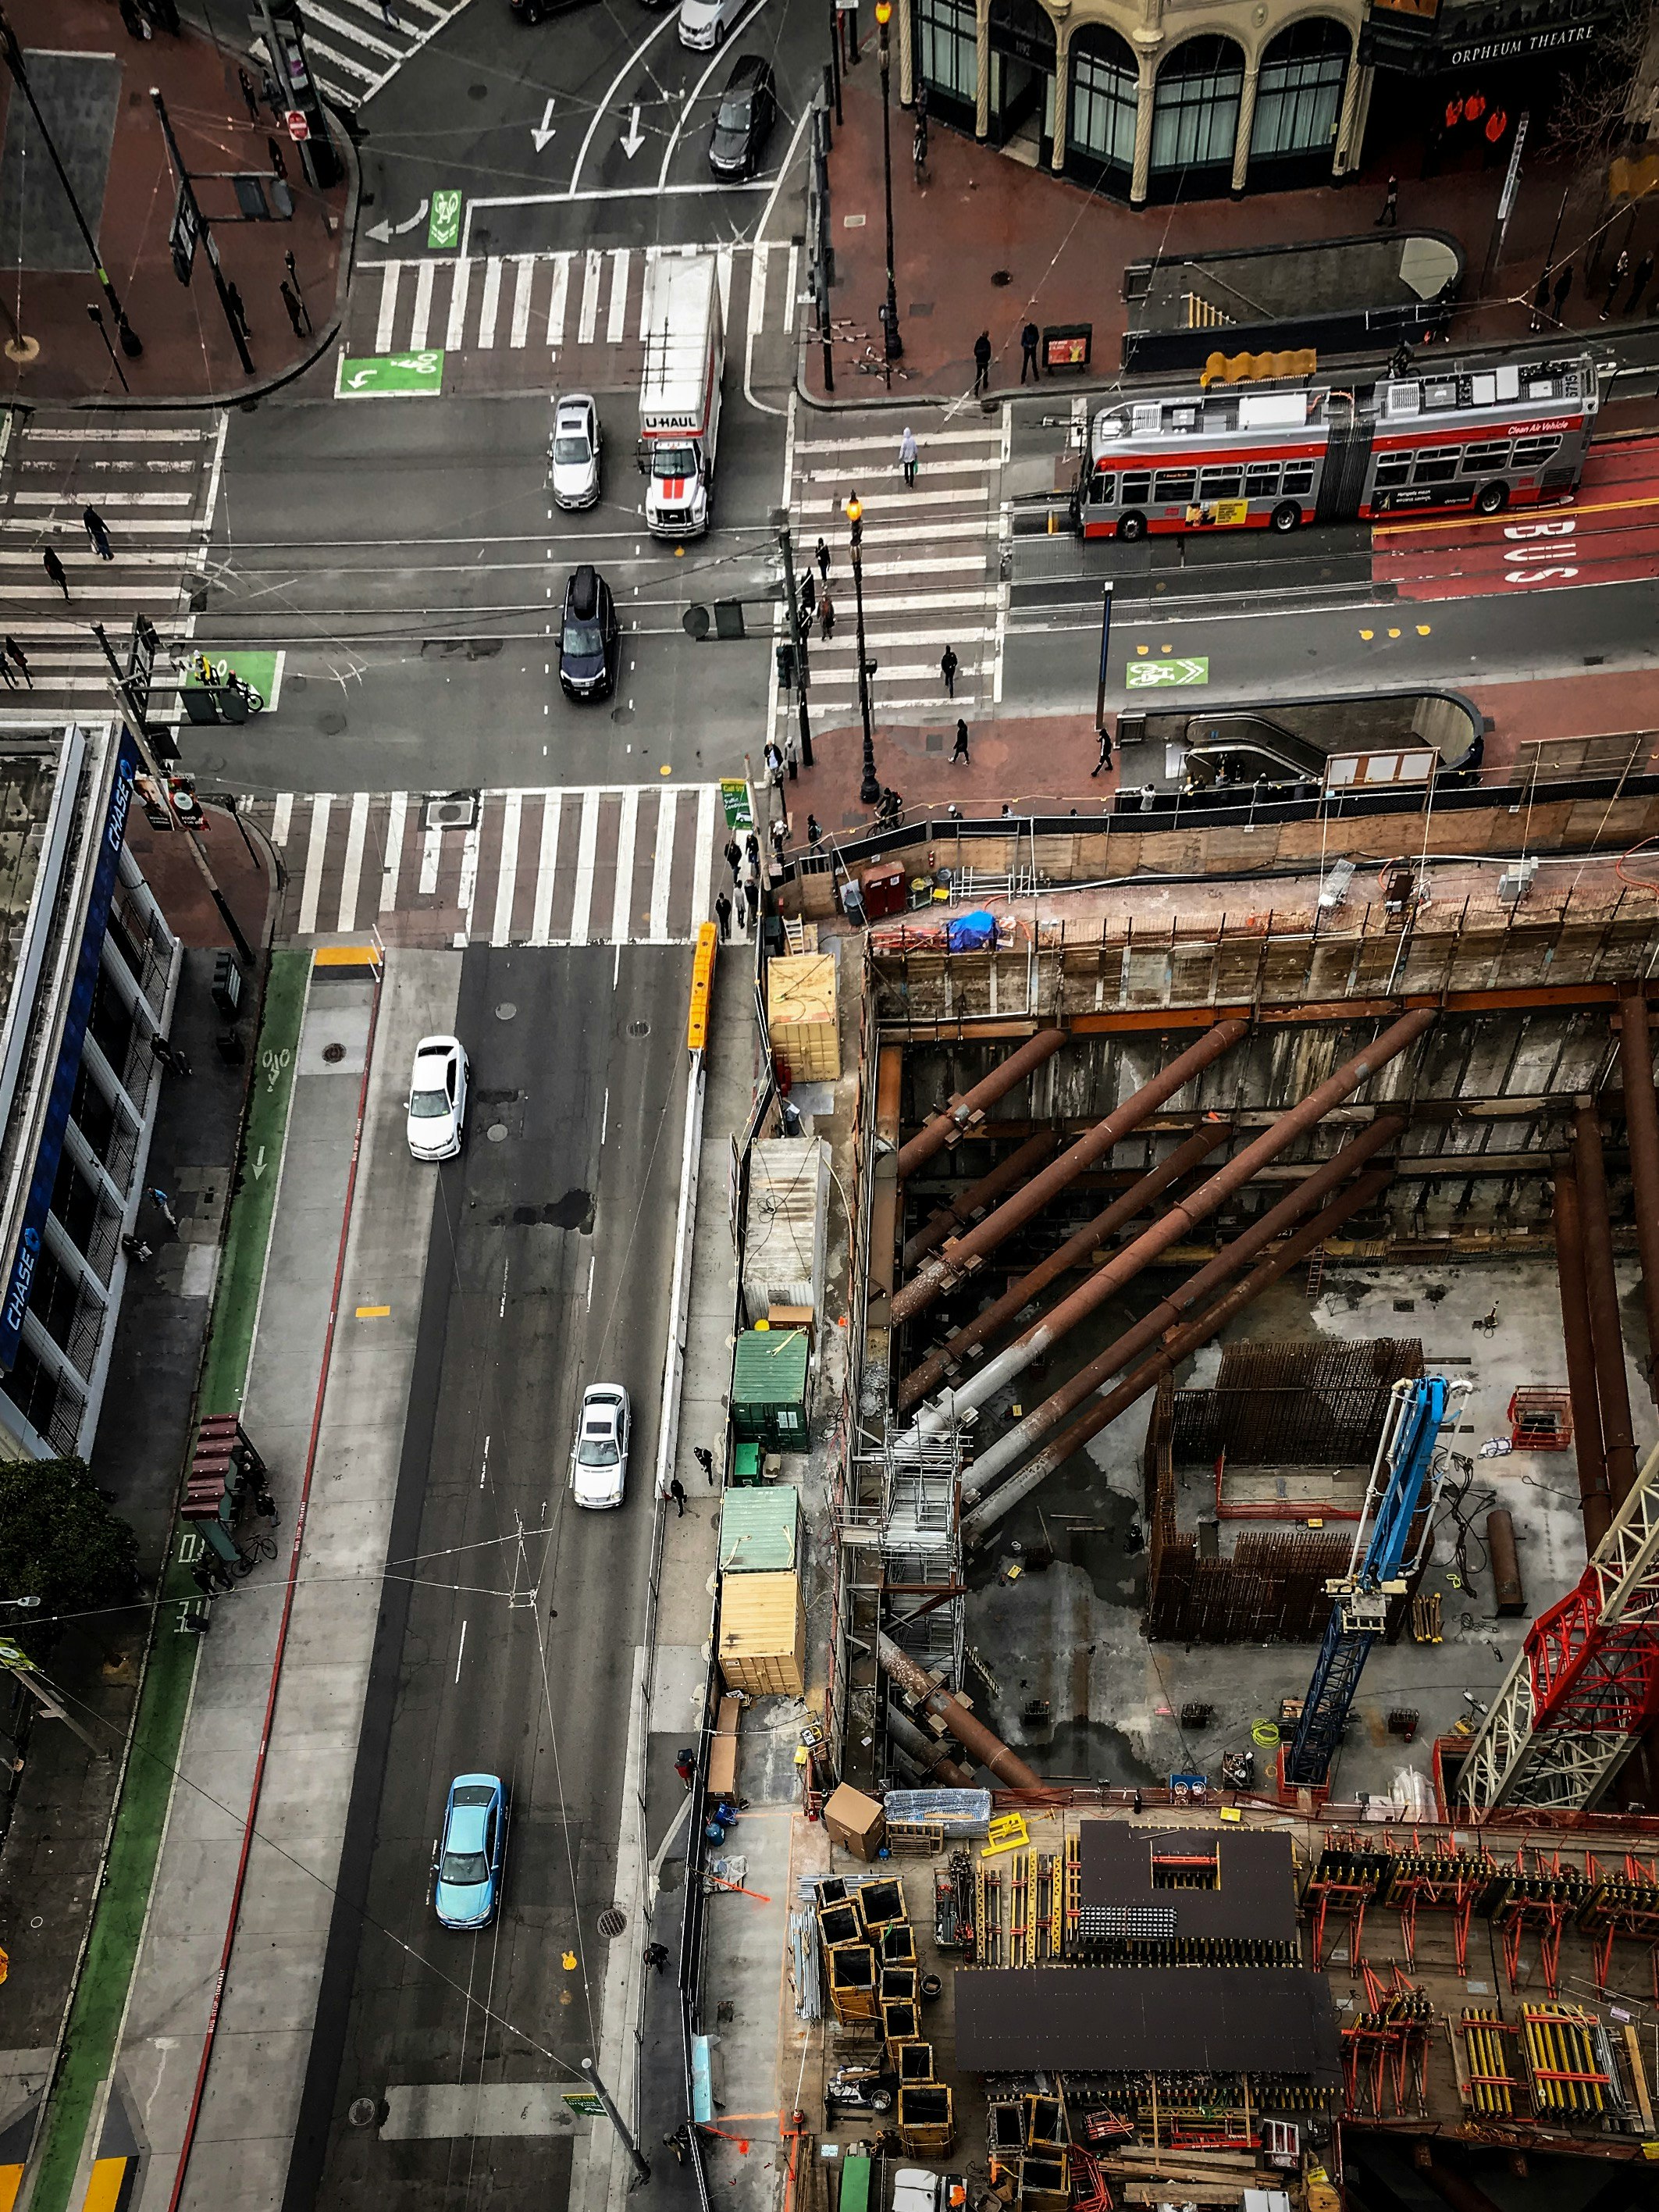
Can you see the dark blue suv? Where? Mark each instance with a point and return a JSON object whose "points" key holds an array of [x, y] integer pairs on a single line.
{"points": [[587, 642]]}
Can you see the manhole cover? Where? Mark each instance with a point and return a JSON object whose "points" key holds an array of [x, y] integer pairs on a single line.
{"points": [[477, 92], [365, 2112], [506, 1010], [496, 1132], [612, 1922], [622, 714], [1002, 276], [333, 1053], [639, 1029], [330, 723]]}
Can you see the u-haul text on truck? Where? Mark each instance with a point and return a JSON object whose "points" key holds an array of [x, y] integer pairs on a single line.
{"points": [[680, 392]]}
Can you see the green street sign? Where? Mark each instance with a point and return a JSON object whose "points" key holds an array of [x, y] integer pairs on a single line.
{"points": [[443, 229], [734, 798], [1148, 674], [585, 2102], [391, 376]]}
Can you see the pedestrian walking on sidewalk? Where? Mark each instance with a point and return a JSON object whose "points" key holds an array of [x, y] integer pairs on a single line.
{"points": [[97, 531], [723, 916], [159, 1198], [54, 568], [959, 751], [1105, 759], [733, 856], [981, 362], [813, 832], [203, 1580], [170, 1055], [1028, 353], [773, 756], [656, 1956], [948, 665], [138, 1251], [1541, 302], [138, 23], [686, 1767], [1389, 218], [826, 616], [677, 1491], [779, 836], [249, 94], [1621, 268], [821, 555], [742, 912], [298, 314], [705, 1460], [908, 457], [791, 755], [15, 652], [1639, 283]]}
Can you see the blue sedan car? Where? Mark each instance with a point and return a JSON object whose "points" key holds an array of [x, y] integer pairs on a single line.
{"points": [[468, 1866]]}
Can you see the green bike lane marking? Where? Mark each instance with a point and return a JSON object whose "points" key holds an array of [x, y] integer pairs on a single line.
{"points": [[99, 2005], [391, 376]]}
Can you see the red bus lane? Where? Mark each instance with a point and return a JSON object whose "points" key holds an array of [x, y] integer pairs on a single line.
{"points": [[1610, 535]]}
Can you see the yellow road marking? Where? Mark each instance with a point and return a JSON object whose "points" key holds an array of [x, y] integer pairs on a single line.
{"points": [[373, 1313], [1510, 517]]}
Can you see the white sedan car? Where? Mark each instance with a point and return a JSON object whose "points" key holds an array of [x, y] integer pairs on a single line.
{"points": [[599, 1465], [574, 456], [437, 1099], [704, 23]]}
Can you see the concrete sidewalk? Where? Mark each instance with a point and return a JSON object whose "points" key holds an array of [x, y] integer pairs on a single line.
{"points": [[986, 244], [86, 71]]}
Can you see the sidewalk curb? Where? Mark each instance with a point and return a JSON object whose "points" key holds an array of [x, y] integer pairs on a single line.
{"points": [[35, 2163]]}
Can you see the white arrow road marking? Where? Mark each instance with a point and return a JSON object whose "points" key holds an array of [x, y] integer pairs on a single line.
{"points": [[542, 133], [633, 137], [359, 377], [385, 229], [258, 1164]]}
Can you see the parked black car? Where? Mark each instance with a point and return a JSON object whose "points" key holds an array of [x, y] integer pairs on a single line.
{"points": [[587, 642], [743, 121]]}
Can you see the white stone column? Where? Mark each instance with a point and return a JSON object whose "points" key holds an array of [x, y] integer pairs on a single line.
{"points": [[1146, 92], [1062, 83], [1246, 124], [907, 52], [982, 72], [1356, 110]]}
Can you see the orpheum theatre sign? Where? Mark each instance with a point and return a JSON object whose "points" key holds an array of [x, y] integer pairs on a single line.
{"points": [[1509, 50]]}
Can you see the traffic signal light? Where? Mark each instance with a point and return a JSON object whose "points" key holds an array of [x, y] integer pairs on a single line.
{"points": [[787, 666]]}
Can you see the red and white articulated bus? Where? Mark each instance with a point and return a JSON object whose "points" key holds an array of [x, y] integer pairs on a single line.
{"points": [[1273, 456]]}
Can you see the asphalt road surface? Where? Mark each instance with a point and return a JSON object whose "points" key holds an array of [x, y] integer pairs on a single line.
{"points": [[511, 1647]]}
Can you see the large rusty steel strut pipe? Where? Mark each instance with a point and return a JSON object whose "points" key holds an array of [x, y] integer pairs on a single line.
{"points": [[1022, 1439], [973, 1736], [1105, 1281], [947, 1126], [1607, 1336], [1593, 1502], [1056, 1453], [1642, 1131], [930, 1756], [962, 1254], [979, 1197], [1074, 1252]]}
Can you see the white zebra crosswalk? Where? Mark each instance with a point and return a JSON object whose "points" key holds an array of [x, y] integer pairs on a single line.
{"points": [[619, 864], [585, 309], [930, 570], [355, 45], [155, 480]]}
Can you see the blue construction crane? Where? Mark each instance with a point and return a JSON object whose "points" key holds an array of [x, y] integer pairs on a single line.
{"points": [[1405, 1481]]}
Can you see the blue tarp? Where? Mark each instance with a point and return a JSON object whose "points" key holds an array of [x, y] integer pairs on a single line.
{"points": [[972, 933]]}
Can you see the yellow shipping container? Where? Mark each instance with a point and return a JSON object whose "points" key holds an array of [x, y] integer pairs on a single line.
{"points": [[801, 1016], [763, 1635]]}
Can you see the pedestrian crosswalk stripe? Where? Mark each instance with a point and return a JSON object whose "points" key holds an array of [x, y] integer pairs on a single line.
{"points": [[556, 305], [959, 464], [459, 285], [813, 447], [490, 302], [521, 285], [618, 312], [422, 308]]}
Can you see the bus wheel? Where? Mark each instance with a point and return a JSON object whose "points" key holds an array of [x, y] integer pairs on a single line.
{"points": [[1285, 517], [1493, 498], [1132, 527]]}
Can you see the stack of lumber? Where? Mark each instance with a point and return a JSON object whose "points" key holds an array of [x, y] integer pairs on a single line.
{"points": [[1197, 2177]]}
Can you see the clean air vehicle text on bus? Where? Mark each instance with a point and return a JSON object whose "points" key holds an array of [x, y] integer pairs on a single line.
{"points": [[1273, 456]]}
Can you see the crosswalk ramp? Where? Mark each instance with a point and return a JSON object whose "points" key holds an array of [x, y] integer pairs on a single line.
{"points": [[155, 480], [354, 46], [931, 571], [613, 864], [500, 317]]}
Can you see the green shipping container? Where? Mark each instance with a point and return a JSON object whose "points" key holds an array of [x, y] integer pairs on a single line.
{"points": [[768, 1389], [758, 1529]]}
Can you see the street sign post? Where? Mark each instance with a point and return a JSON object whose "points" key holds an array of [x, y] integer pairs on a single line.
{"points": [[391, 376], [1154, 675]]}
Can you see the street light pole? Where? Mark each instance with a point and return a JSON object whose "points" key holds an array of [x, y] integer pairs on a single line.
{"points": [[870, 789], [893, 345], [640, 2164], [12, 53]]}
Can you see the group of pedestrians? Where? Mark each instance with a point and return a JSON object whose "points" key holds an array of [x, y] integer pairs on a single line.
{"points": [[743, 861], [98, 538]]}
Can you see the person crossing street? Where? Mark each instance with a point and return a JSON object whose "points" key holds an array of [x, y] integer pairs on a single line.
{"points": [[948, 665], [97, 531]]}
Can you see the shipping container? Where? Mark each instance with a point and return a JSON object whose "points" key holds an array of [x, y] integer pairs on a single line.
{"points": [[760, 1530], [769, 1387], [763, 1635], [801, 1018]]}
